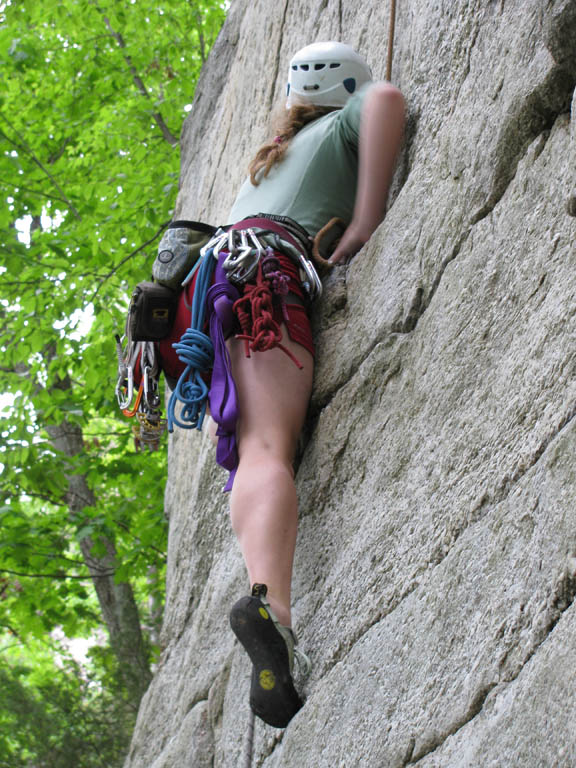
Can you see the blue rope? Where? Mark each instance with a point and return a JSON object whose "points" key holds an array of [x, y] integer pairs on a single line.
{"points": [[196, 351]]}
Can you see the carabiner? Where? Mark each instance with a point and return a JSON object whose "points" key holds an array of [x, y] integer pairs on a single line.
{"points": [[217, 247], [311, 280], [125, 400], [231, 245], [242, 261], [313, 277], [151, 399], [134, 410], [145, 378], [257, 244]]}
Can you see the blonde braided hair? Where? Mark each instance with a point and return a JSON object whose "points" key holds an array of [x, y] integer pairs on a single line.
{"points": [[273, 151]]}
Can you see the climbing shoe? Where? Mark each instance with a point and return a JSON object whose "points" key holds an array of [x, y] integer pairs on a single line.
{"points": [[270, 647]]}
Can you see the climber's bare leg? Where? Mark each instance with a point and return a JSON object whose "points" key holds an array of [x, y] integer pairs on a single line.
{"points": [[273, 396]]}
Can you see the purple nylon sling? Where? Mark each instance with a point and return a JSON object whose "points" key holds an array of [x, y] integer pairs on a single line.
{"points": [[223, 397]]}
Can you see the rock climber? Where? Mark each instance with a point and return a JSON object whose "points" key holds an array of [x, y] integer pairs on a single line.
{"points": [[332, 155]]}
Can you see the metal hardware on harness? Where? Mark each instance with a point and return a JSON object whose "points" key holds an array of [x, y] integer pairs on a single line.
{"points": [[150, 429], [151, 397], [312, 284], [147, 433], [216, 243], [125, 382], [124, 390], [245, 249], [146, 406], [243, 258], [310, 279]]}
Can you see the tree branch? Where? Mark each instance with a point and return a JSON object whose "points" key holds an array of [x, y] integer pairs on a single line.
{"points": [[127, 258], [50, 556], [60, 575], [148, 546], [13, 645], [12, 631], [34, 191], [24, 147], [158, 119], [25, 282], [199, 30]]}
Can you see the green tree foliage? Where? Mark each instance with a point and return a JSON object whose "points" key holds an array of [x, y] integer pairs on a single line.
{"points": [[55, 715], [92, 98]]}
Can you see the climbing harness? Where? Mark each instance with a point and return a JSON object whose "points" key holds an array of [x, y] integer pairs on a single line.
{"points": [[248, 242], [244, 276], [238, 281], [260, 331], [261, 241], [286, 236]]}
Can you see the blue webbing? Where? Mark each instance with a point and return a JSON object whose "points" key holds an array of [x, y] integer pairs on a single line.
{"points": [[196, 351]]}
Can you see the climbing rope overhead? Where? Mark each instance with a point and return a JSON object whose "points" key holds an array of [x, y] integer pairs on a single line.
{"points": [[391, 30]]}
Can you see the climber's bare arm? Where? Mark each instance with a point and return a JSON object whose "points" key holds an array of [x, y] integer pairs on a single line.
{"points": [[381, 133]]}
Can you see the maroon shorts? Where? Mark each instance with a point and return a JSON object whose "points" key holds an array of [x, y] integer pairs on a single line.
{"points": [[298, 324]]}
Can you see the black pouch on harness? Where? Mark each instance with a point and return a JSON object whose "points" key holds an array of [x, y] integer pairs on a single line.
{"points": [[152, 312]]}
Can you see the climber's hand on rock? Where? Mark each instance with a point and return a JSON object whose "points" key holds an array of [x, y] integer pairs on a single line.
{"points": [[351, 242]]}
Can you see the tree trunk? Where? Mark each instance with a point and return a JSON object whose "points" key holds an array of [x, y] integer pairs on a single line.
{"points": [[116, 599]]}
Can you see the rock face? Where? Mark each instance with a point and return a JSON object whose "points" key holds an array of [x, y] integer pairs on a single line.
{"points": [[436, 566]]}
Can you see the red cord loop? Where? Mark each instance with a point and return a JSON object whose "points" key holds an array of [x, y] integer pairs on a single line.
{"points": [[255, 311]]}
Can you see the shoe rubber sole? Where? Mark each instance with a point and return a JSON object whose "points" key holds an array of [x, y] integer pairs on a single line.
{"points": [[272, 694]]}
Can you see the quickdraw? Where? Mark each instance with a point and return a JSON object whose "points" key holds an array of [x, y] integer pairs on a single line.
{"points": [[146, 404]]}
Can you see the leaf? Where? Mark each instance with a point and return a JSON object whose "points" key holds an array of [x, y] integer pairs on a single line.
{"points": [[82, 131]]}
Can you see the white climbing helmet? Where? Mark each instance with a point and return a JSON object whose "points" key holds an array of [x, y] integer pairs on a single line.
{"points": [[325, 74]]}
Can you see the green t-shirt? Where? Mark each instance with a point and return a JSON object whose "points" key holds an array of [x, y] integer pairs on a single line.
{"points": [[317, 178]]}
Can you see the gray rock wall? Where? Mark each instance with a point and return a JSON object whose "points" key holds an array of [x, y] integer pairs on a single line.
{"points": [[436, 566]]}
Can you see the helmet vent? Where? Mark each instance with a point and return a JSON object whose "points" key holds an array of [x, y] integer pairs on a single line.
{"points": [[350, 84], [334, 65], [319, 66], [305, 67]]}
